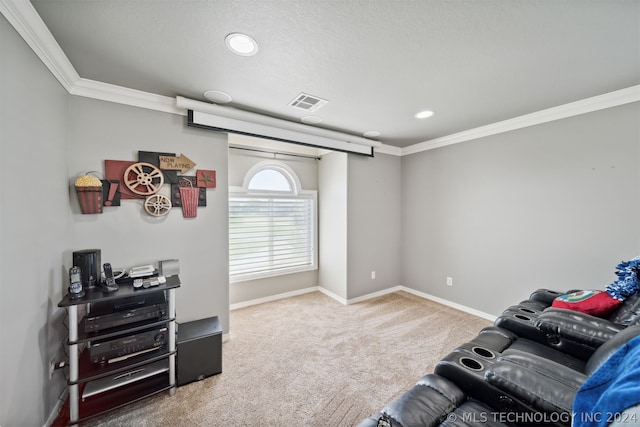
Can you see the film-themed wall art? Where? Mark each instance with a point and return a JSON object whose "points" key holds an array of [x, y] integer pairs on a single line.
{"points": [[146, 179]]}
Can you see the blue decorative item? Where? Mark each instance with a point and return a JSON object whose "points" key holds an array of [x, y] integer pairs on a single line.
{"points": [[627, 283], [611, 389]]}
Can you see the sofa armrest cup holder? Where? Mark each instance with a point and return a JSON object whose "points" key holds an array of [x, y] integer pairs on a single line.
{"points": [[483, 352], [471, 364]]}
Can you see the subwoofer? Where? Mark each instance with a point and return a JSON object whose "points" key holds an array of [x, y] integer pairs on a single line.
{"points": [[199, 350]]}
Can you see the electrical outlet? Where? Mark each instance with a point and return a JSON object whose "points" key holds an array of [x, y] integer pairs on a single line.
{"points": [[373, 275], [53, 366], [449, 281]]}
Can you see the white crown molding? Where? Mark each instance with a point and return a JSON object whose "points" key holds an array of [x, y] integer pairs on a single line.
{"points": [[122, 95], [25, 19], [388, 149], [588, 105]]}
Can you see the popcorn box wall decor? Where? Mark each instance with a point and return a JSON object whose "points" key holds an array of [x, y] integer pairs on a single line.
{"points": [[89, 191]]}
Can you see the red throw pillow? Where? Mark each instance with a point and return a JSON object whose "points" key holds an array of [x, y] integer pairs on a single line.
{"points": [[596, 303]]}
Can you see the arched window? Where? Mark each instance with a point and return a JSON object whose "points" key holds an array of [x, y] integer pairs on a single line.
{"points": [[272, 224], [271, 176]]}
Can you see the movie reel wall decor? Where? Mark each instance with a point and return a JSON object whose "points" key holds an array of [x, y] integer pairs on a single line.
{"points": [[157, 205], [142, 180]]}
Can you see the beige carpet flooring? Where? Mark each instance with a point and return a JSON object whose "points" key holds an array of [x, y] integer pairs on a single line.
{"points": [[310, 361]]}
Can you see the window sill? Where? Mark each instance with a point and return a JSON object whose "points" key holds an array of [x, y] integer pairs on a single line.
{"points": [[271, 274]]}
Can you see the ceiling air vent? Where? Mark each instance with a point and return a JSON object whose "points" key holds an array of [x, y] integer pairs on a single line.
{"points": [[307, 102]]}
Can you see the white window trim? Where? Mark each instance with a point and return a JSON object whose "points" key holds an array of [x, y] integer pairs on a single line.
{"points": [[296, 191], [278, 166]]}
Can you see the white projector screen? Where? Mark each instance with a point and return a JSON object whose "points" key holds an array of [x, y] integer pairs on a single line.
{"points": [[225, 124]]}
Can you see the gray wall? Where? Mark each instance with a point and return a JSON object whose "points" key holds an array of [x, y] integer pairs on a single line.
{"points": [[554, 205], [374, 223], [307, 171], [34, 230], [332, 217], [360, 224], [48, 138], [127, 235]]}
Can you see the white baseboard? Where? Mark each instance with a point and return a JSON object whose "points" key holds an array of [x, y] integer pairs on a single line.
{"points": [[451, 304], [356, 300], [374, 295], [424, 295], [273, 298], [308, 290], [330, 294], [366, 297]]}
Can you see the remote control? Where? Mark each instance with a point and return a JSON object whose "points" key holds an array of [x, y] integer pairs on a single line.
{"points": [[147, 283], [109, 283]]}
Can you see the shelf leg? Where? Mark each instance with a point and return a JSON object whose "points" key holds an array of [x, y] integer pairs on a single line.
{"points": [[172, 341], [73, 364]]}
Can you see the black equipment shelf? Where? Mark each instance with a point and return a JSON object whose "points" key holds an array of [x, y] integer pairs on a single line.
{"points": [[89, 371], [114, 332], [114, 399], [124, 291], [81, 369]]}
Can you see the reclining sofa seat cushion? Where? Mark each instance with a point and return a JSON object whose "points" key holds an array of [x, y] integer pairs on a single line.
{"points": [[610, 347], [466, 367], [628, 313], [425, 404], [545, 384], [429, 401], [527, 346], [540, 383], [522, 319], [511, 345], [573, 326], [433, 401], [571, 332], [592, 330], [472, 413]]}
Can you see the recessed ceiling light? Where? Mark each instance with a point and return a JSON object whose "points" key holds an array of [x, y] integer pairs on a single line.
{"points": [[241, 44], [371, 134], [311, 120], [217, 96], [424, 114]]}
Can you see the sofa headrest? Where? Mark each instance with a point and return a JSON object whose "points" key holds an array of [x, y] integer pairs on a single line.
{"points": [[628, 313], [609, 347]]}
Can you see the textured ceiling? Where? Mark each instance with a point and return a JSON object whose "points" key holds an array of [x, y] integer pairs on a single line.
{"points": [[377, 62]]}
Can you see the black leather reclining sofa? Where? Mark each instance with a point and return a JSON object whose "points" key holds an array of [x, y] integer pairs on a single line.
{"points": [[524, 370]]}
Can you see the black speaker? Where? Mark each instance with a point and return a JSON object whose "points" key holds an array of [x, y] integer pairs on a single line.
{"points": [[199, 350], [89, 263]]}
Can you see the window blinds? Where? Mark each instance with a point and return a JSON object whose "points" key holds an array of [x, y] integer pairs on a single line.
{"points": [[270, 234]]}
